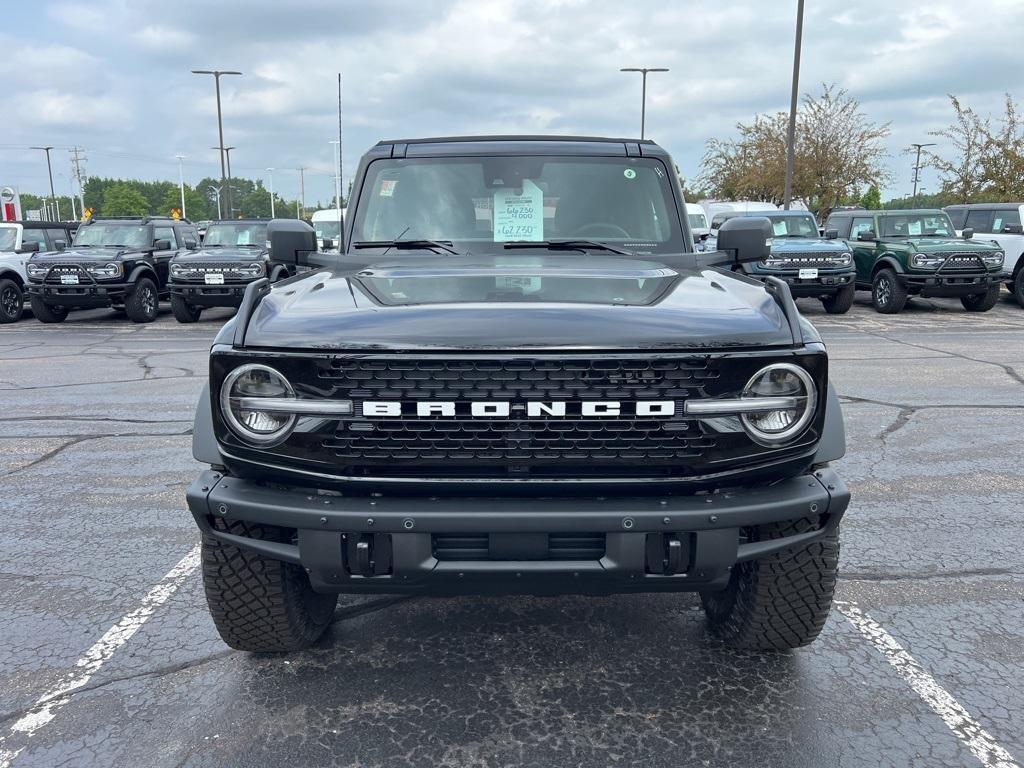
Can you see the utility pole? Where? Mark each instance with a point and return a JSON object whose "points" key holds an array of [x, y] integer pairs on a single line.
{"points": [[791, 133], [643, 97], [49, 169], [76, 163], [227, 155], [271, 172], [339, 147], [220, 123], [337, 178], [302, 190], [917, 166], [181, 184]]}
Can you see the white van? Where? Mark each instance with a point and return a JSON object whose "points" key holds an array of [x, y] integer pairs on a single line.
{"points": [[328, 227], [717, 212], [698, 221]]}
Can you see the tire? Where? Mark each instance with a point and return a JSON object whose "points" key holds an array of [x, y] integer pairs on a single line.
{"points": [[143, 302], [887, 295], [183, 311], [839, 303], [1017, 288], [781, 601], [982, 302], [12, 301], [47, 314], [258, 604]]}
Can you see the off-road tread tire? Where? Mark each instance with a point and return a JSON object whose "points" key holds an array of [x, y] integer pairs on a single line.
{"points": [[45, 313], [982, 302], [133, 302], [6, 284], [258, 604], [183, 311], [1017, 286], [839, 303], [781, 601], [899, 294]]}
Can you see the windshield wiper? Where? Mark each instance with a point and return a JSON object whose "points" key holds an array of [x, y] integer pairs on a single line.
{"points": [[568, 245], [437, 246]]}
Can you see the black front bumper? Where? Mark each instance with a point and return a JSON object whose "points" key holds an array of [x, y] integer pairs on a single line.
{"points": [[84, 296], [949, 285], [412, 544], [825, 284], [202, 295]]}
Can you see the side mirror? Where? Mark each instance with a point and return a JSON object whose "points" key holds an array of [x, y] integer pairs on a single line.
{"points": [[867, 234], [191, 244], [291, 241], [745, 239], [703, 237], [328, 243], [968, 233], [161, 245], [29, 248], [831, 234], [1013, 229], [60, 244]]}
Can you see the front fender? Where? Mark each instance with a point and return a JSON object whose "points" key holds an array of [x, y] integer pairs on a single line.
{"points": [[204, 441], [832, 445], [142, 270]]}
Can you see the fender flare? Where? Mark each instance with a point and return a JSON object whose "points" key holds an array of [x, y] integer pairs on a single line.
{"points": [[279, 272], [832, 445], [204, 441], [887, 260], [143, 269]]}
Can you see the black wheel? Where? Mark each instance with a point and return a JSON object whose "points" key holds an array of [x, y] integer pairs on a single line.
{"points": [[1017, 287], [982, 302], [12, 301], [781, 601], [258, 604], [142, 302], [888, 296], [46, 313], [183, 311], [839, 303]]}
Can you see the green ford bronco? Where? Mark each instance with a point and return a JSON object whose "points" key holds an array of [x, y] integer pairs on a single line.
{"points": [[899, 254]]}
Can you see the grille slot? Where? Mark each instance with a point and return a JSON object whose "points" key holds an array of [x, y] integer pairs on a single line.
{"points": [[560, 546], [962, 260], [807, 259]]}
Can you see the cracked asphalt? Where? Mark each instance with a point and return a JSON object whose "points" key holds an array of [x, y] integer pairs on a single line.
{"points": [[95, 457]]}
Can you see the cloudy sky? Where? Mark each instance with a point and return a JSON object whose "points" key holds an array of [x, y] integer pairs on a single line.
{"points": [[112, 76]]}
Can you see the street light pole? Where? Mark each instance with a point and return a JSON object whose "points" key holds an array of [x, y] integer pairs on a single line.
{"points": [[302, 190], [643, 95], [271, 172], [181, 184], [220, 122], [49, 170], [220, 213], [787, 195], [917, 166]]}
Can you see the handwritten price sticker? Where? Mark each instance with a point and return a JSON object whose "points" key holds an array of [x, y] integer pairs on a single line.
{"points": [[519, 216]]}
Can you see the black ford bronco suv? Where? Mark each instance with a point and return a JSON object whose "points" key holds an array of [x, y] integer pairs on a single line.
{"points": [[517, 377], [113, 262], [234, 253], [899, 254]]}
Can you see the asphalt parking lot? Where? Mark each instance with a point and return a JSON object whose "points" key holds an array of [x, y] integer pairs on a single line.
{"points": [[109, 656]]}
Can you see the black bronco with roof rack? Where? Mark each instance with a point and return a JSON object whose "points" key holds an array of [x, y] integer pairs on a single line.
{"points": [[517, 377], [114, 262]]}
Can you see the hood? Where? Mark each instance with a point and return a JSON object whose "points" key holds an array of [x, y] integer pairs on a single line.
{"points": [[75, 255], [549, 304], [942, 244], [222, 254], [807, 244]]}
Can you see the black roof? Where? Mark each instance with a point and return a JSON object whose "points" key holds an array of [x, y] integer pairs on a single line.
{"points": [[986, 206], [884, 212], [247, 220], [43, 224], [144, 219], [512, 144]]}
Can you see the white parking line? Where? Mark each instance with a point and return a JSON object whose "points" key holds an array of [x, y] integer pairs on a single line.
{"points": [[44, 710], [959, 720]]}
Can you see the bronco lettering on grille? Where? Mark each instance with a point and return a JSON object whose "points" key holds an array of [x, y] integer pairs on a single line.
{"points": [[535, 409]]}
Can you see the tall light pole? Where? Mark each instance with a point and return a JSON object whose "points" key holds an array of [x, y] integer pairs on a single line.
{"points": [[917, 166], [49, 169], [302, 190], [71, 197], [181, 184], [220, 122], [643, 98], [220, 213], [227, 155], [787, 195], [271, 172]]}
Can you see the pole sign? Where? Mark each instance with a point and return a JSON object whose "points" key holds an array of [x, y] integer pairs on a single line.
{"points": [[10, 204]]}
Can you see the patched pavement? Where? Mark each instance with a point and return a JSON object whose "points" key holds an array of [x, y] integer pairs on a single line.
{"points": [[95, 457]]}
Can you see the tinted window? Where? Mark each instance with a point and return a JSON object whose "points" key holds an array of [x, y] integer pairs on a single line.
{"points": [[861, 224], [8, 238], [979, 221], [793, 226], [917, 225], [235, 234], [34, 236], [697, 220], [114, 234], [165, 233], [957, 216], [1004, 218]]}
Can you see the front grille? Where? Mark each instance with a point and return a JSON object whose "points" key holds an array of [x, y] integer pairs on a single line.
{"points": [[960, 260], [54, 275], [227, 268], [560, 546], [807, 259]]}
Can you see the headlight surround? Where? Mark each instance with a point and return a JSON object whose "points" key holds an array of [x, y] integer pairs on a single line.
{"points": [[182, 270], [262, 429], [844, 259], [255, 269], [38, 271], [773, 428], [108, 270], [994, 259], [927, 260]]}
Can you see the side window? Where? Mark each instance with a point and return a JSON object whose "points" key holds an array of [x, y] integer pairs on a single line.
{"points": [[1005, 218], [979, 221], [35, 236], [958, 216], [861, 224], [841, 224], [165, 233]]}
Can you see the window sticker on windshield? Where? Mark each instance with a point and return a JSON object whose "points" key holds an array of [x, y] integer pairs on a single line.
{"points": [[519, 216], [914, 227], [779, 228], [387, 187], [629, 173], [244, 237]]}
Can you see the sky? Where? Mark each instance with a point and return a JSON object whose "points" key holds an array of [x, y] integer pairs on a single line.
{"points": [[113, 76]]}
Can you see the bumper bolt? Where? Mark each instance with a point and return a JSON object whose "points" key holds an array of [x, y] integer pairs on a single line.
{"points": [[369, 521], [712, 518], [323, 521], [408, 524], [222, 510], [814, 508], [666, 520], [627, 523]]}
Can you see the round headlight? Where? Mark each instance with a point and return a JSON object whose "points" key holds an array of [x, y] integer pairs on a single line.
{"points": [[240, 389], [782, 425]]}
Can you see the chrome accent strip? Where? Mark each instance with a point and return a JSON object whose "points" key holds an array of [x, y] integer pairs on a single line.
{"points": [[739, 405], [293, 405]]}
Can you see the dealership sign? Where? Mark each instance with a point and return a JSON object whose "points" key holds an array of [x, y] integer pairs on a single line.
{"points": [[10, 204]]}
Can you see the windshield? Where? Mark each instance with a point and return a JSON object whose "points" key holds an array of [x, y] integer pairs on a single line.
{"points": [[327, 229], [109, 234], [697, 221], [917, 225], [236, 234], [8, 238], [476, 202], [793, 226]]}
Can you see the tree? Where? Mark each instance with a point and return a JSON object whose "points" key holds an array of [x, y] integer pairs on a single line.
{"points": [[961, 176], [872, 198], [837, 150], [196, 206], [123, 200]]}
